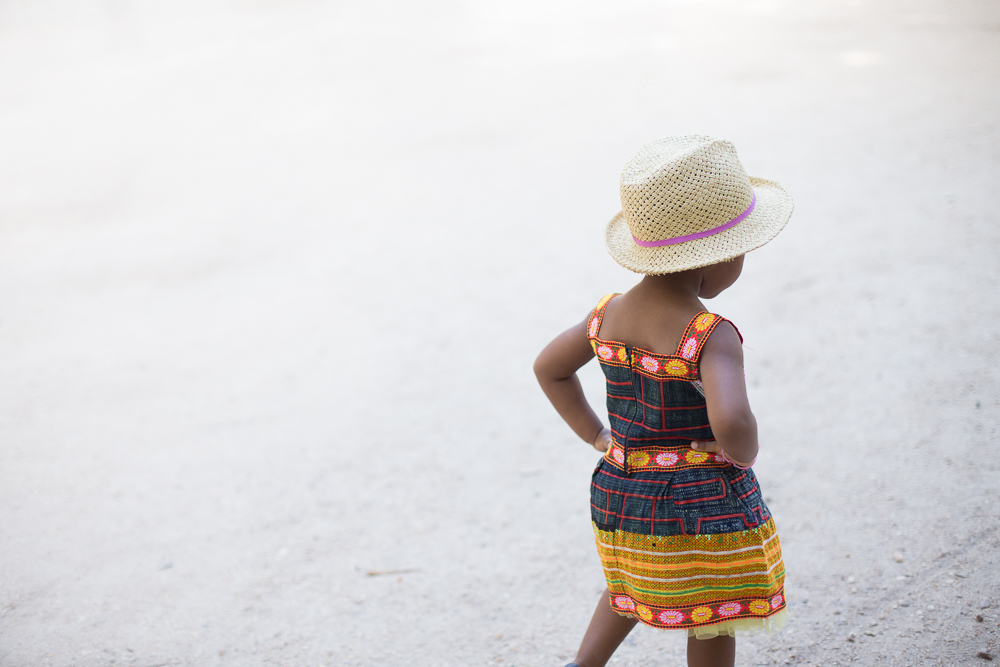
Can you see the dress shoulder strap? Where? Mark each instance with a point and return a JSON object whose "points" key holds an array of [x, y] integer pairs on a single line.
{"points": [[597, 315], [697, 332]]}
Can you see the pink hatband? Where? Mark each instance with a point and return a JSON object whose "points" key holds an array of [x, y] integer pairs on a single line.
{"points": [[700, 235]]}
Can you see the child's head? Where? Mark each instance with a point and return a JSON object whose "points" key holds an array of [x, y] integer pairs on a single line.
{"points": [[688, 203], [717, 277]]}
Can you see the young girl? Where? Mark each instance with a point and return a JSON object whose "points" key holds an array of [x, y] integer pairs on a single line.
{"points": [[683, 533]]}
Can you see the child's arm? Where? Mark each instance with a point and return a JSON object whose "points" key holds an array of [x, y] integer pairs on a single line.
{"points": [[729, 412], [556, 369]]}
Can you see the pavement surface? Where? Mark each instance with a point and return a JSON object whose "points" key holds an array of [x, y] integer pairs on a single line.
{"points": [[273, 274]]}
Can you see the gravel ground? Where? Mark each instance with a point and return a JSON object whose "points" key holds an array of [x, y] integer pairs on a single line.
{"points": [[272, 276]]}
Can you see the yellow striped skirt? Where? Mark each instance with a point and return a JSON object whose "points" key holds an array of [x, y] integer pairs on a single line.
{"points": [[705, 584]]}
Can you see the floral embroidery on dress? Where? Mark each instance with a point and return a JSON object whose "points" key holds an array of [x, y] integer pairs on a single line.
{"points": [[656, 458], [594, 325], [678, 365], [671, 617], [667, 459], [675, 367], [609, 352], [703, 321], [650, 364], [624, 602], [719, 458], [776, 601], [700, 614], [730, 609], [694, 456], [636, 459]]}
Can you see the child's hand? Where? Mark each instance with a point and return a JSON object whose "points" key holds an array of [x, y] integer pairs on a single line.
{"points": [[710, 446], [602, 442], [713, 447]]}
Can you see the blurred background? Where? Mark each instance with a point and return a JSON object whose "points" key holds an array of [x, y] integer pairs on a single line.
{"points": [[273, 274]]}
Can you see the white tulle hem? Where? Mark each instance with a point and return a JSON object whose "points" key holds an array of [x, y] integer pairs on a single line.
{"points": [[740, 627]]}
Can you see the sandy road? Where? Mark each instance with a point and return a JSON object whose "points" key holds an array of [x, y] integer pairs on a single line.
{"points": [[272, 275]]}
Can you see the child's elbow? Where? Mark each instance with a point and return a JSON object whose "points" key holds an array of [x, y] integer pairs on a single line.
{"points": [[539, 367], [736, 427]]}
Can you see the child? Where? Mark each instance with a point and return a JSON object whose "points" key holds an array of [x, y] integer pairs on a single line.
{"points": [[683, 533]]}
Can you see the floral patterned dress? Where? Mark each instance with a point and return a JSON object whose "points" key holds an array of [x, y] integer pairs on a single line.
{"points": [[684, 537]]}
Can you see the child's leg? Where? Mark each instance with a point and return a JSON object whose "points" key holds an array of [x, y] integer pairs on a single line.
{"points": [[605, 632], [716, 652]]}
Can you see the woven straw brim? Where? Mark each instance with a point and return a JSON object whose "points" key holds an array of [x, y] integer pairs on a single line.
{"points": [[770, 214]]}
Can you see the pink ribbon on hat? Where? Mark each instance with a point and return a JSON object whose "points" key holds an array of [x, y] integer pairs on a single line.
{"points": [[700, 235]]}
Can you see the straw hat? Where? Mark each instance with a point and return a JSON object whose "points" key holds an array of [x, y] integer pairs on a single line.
{"points": [[687, 202]]}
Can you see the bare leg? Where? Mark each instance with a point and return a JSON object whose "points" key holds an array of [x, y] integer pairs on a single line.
{"points": [[716, 652], [605, 632]]}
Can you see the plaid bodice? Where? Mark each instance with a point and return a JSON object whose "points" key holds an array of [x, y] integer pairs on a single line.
{"points": [[655, 403]]}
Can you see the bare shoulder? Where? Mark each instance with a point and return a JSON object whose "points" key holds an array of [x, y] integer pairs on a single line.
{"points": [[721, 371], [724, 345]]}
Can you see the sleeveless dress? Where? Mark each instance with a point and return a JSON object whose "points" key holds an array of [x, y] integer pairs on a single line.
{"points": [[684, 537]]}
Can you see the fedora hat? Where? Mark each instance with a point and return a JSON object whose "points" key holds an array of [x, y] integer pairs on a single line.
{"points": [[687, 202]]}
